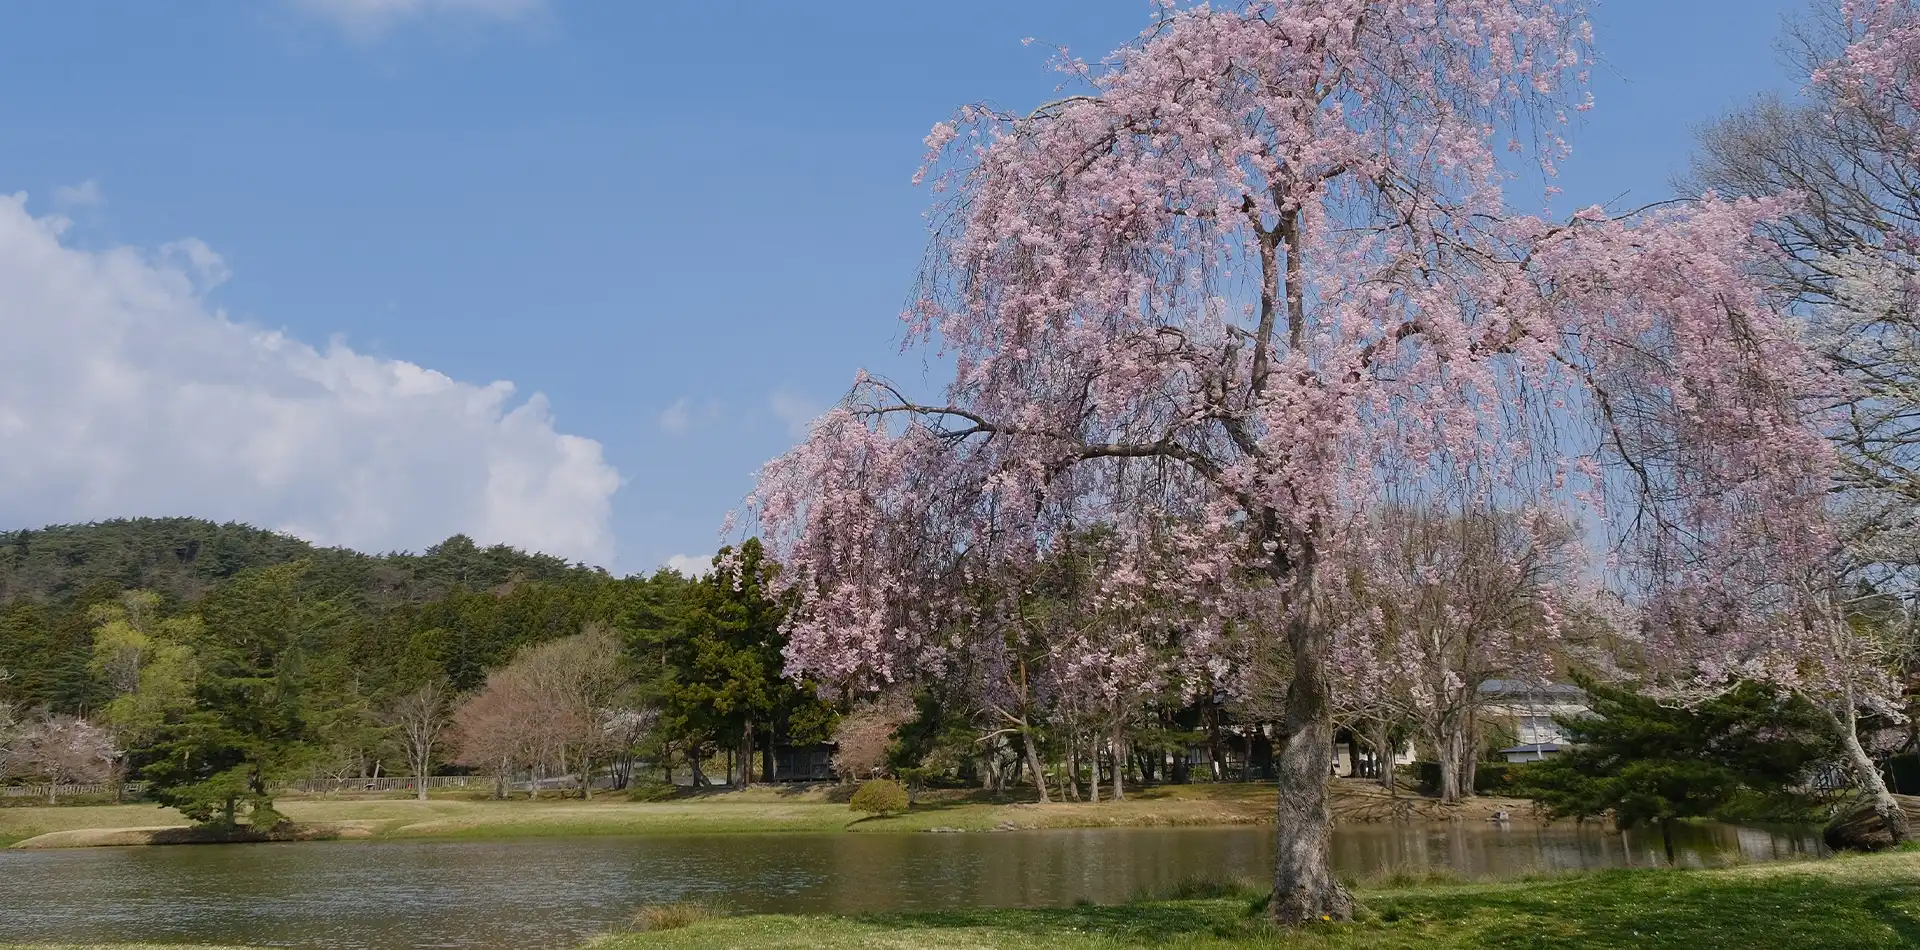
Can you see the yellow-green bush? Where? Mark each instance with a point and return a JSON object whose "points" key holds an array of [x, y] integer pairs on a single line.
{"points": [[879, 797]]}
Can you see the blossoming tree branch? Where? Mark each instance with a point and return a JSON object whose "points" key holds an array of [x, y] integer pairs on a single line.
{"points": [[1244, 300]]}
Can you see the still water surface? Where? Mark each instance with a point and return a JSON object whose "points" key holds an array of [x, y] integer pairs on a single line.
{"points": [[555, 892]]}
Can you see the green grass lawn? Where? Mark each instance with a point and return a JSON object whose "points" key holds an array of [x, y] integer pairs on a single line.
{"points": [[757, 810], [1858, 903]]}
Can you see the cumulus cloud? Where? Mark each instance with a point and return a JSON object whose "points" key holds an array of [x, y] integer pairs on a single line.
{"points": [[690, 565], [123, 393], [87, 194], [373, 17]]}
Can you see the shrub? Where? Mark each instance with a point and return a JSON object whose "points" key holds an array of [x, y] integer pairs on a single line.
{"points": [[672, 916], [880, 797], [651, 792], [1427, 774], [1494, 777], [1488, 777]]}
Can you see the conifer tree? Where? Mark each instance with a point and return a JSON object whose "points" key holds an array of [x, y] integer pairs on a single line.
{"points": [[1647, 763]]}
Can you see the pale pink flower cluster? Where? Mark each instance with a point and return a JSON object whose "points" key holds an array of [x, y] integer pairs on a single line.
{"points": [[1880, 69]]}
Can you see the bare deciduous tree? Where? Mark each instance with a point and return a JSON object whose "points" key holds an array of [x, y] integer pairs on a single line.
{"points": [[67, 749], [492, 729], [547, 707], [419, 722], [1447, 601], [573, 680], [9, 734], [626, 726]]}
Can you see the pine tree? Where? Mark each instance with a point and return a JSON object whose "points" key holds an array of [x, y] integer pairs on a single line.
{"points": [[1645, 762]]}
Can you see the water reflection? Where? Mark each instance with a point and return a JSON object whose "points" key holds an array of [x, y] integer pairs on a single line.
{"points": [[556, 892]]}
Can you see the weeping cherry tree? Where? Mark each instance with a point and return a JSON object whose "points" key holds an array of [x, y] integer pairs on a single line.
{"points": [[1254, 282]]}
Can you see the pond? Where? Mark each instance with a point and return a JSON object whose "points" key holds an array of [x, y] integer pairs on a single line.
{"points": [[555, 892]]}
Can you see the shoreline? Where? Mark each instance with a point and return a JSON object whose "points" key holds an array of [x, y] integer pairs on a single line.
{"points": [[758, 810]]}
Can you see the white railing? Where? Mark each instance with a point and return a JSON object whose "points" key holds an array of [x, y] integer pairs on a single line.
{"points": [[388, 783], [54, 791]]}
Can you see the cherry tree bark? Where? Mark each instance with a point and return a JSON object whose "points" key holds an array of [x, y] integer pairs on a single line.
{"points": [[1304, 888], [1033, 765]]}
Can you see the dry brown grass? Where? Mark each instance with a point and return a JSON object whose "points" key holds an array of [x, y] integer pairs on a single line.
{"points": [[672, 916]]}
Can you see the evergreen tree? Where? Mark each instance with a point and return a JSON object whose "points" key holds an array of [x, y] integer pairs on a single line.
{"points": [[726, 676], [251, 722], [1644, 762]]}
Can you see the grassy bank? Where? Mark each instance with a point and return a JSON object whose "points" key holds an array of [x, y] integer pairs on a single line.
{"points": [[1860, 903], [757, 810]]}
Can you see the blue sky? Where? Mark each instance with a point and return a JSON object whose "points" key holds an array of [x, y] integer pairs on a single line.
{"points": [[686, 225]]}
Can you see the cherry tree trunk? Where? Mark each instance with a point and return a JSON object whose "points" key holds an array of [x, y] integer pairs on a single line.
{"points": [[1304, 888], [1469, 755], [1033, 765], [1380, 737], [1449, 748], [1093, 767], [1119, 761], [1867, 774]]}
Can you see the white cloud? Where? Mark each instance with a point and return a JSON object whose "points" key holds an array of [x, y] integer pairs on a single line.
{"points": [[678, 417], [793, 409], [87, 194], [122, 393], [690, 565], [687, 414], [369, 18]]}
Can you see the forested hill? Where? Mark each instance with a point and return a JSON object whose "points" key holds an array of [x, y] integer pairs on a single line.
{"points": [[457, 608], [183, 557]]}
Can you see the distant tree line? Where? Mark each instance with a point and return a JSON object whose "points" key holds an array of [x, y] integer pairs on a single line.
{"points": [[217, 663]]}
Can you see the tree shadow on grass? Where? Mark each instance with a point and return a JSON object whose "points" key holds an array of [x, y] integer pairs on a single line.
{"points": [[1143, 922], [1673, 910]]}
